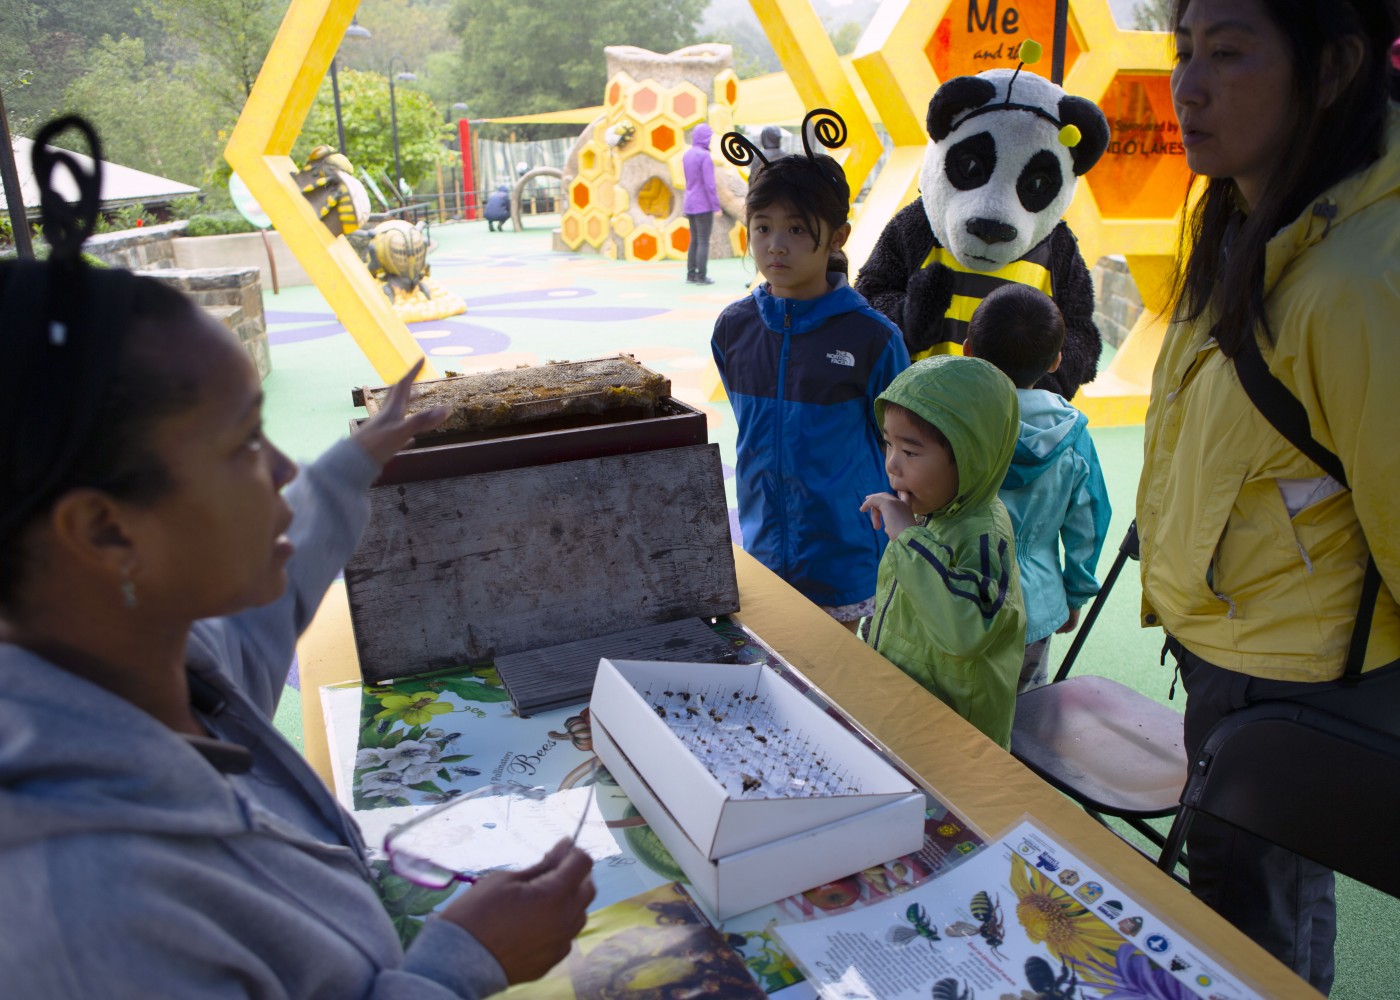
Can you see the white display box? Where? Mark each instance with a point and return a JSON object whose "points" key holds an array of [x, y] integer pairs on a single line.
{"points": [[741, 853]]}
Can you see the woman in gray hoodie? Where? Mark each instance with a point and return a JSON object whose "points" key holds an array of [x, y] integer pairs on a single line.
{"points": [[158, 836]]}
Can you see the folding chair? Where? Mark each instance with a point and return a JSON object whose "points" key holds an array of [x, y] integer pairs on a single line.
{"points": [[1114, 751], [1314, 783]]}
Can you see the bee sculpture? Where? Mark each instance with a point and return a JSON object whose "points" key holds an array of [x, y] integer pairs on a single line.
{"points": [[987, 912]]}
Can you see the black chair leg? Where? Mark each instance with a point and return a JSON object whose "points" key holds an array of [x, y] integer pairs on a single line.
{"points": [[1168, 849], [1176, 839], [1127, 549]]}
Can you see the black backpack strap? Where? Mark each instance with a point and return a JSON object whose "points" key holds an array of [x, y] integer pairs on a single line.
{"points": [[1283, 410]]}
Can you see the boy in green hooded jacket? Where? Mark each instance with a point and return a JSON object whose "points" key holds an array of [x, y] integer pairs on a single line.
{"points": [[948, 608]]}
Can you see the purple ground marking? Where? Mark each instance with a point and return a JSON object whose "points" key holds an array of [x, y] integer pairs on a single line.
{"points": [[728, 470], [291, 316], [481, 339], [294, 675], [298, 334], [533, 296], [601, 314], [735, 534]]}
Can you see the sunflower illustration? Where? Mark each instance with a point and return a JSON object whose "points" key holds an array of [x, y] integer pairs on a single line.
{"points": [[414, 709], [1052, 917]]}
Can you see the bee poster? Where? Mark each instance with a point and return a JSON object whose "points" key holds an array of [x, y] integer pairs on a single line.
{"points": [[1022, 917]]}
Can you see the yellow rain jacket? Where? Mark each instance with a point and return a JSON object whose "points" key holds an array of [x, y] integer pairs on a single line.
{"points": [[1252, 556]]}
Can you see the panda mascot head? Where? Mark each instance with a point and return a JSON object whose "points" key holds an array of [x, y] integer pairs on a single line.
{"points": [[1006, 150]]}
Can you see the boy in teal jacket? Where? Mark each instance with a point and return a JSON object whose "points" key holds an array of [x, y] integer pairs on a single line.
{"points": [[948, 608], [1054, 490]]}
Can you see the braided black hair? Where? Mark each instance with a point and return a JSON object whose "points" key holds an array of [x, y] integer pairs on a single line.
{"points": [[814, 186], [83, 376]]}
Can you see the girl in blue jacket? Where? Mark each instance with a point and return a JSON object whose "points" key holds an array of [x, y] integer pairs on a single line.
{"points": [[803, 358]]}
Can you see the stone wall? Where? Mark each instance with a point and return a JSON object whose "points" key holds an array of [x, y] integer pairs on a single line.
{"points": [[145, 249], [1117, 304], [232, 295]]}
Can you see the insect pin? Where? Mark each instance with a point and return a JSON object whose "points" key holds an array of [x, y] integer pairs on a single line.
{"points": [[1040, 977], [918, 916], [987, 912]]}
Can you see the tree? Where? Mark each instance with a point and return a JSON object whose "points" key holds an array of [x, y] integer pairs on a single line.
{"points": [[19, 24], [520, 58], [147, 117], [225, 41], [1154, 15], [753, 52], [413, 31], [846, 37], [364, 107]]}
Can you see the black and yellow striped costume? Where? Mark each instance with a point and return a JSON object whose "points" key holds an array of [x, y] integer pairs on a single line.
{"points": [[933, 311], [971, 287]]}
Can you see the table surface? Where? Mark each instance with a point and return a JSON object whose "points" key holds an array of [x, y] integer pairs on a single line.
{"points": [[975, 777]]}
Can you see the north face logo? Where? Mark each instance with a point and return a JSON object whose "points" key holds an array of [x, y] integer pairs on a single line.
{"points": [[842, 358]]}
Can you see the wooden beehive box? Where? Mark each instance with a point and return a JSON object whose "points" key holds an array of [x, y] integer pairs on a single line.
{"points": [[567, 525]]}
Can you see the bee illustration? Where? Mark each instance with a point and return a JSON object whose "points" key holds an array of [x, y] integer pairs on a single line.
{"points": [[917, 916], [1040, 976], [988, 914], [950, 989]]}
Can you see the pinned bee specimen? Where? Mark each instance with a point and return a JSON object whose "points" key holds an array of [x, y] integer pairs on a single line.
{"points": [[745, 747]]}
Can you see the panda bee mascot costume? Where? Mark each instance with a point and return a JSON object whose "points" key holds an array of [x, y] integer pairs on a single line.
{"points": [[1000, 170]]}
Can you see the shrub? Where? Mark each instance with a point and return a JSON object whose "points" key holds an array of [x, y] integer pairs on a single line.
{"points": [[219, 224]]}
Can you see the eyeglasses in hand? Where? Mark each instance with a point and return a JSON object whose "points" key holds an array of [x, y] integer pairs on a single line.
{"points": [[493, 828]]}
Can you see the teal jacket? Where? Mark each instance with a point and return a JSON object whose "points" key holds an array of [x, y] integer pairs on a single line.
{"points": [[1055, 493], [948, 609]]}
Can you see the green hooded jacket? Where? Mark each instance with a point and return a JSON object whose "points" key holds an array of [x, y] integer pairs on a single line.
{"points": [[948, 608]]}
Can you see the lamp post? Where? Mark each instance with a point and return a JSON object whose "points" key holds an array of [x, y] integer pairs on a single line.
{"points": [[394, 118], [354, 31]]}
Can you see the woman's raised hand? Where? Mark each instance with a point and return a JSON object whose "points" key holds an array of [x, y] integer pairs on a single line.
{"points": [[390, 430]]}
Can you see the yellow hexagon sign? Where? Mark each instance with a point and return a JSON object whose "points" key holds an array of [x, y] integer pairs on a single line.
{"points": [[1129, 204]]}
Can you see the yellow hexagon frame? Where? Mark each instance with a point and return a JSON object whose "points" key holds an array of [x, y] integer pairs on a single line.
{"points": [[892, 67], [260, 151]]}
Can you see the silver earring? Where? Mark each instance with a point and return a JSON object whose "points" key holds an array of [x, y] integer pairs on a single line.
{"points": [[128, 594]]}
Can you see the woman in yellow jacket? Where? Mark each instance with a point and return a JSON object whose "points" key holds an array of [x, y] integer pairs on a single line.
{"points": [[1252, 556]]}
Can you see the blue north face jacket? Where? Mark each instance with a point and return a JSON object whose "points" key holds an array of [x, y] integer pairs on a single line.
{"points": [[802, 377]]}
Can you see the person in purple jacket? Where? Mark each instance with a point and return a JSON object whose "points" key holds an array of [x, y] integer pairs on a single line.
{"points": [[701, 203]]}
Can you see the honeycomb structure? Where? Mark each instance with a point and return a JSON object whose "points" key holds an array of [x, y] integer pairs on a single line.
{"points": [[625, 197]]}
